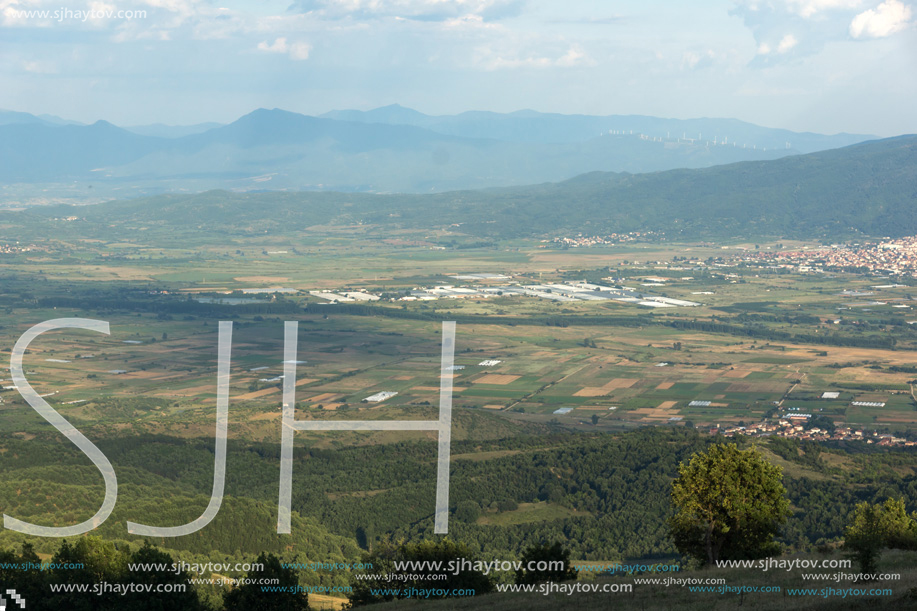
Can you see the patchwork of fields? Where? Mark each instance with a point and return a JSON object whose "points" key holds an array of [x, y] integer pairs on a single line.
{"points": [[165, 381]]}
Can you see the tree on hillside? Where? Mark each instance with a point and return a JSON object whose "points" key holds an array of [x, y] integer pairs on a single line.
{"points": [[281, 595], [467, 511], [176, 594], [729, 504], [389, 579], [874, 527], [548, 562], [32, 585], [100, 562]]}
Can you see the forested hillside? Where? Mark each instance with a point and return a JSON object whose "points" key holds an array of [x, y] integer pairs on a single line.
{"points": [[606, 495], [868, 188]]}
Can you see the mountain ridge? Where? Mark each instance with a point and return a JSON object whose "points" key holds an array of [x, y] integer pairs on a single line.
{"points": [[281, 150], [865, 189]]}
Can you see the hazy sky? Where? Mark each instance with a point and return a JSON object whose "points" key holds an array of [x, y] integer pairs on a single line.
{"points": [[807, 65]]}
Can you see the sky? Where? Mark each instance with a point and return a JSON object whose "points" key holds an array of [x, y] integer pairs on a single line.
{"points": [[824, 66]]}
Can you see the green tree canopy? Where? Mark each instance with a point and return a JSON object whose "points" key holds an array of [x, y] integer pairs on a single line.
{"points": [[555, 560], [729, 504], [874, 527], [254, 594], [177, 594], [391, 579]]}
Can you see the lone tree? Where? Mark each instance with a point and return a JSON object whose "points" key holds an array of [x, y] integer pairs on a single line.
{"points": [[875, 527], [548, 563], [729, 504], [250, 595]]}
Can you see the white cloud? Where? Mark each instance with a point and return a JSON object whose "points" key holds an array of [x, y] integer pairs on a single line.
{"points": [[296, 50], [278, 46], [574, 56], [469, 22], [786, 30], [810, 8], [99, 9], [185, 8], [129, 34], [411, 9], [786, 43], [39, 67], [300, 51], [691, 60], [801, 8], [889, 17]]}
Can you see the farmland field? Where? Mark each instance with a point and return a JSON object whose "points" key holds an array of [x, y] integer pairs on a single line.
{"points": [[535, 382], [605, 358]]}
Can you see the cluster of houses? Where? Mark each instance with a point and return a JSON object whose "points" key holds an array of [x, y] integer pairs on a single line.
{"points": [[580, 240], [15, 249], [889, 256], [792, 427]]}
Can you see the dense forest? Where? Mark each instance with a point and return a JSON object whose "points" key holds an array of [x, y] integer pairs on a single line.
{"points": [[607, 495]]}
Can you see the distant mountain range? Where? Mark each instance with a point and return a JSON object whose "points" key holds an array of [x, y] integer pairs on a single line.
{"points": [[391, 149], [868, 188], [12, 117], [532, 126], [158, 130]]}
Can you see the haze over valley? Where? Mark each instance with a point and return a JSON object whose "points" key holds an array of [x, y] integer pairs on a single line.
{"points": [[388, 150]]}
